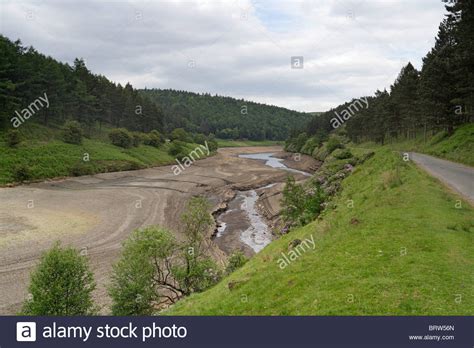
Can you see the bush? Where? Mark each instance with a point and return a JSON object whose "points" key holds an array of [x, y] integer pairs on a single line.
{"points": [[212, 143], [332, 144], [155, 138], [200, 139], [143, 276], [196, 275], [236, 260], [301, 204], [342, 153], [121, 137], [180, 134], [62, 284], [21, 173], [309, 146], [155, 270], [82, 168], [137, 138], [13, 137], [176, 149], [320, 153], [72, 132]]}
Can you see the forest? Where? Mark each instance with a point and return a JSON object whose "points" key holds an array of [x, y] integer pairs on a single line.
{"points": [[77, 94], [438, 98], [226, 117]]}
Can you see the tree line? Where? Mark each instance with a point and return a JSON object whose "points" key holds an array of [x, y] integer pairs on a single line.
{"points": [[437, 98], [226, 117], [74, 93]]}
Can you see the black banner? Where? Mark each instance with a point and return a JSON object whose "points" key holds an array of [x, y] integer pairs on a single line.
{"points": [[237, 332]]}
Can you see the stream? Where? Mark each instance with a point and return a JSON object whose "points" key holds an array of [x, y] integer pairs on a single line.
{"points": [[241, 223]]}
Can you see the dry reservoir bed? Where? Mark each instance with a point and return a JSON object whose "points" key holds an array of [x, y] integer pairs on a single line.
{"points": [[97, 213]]}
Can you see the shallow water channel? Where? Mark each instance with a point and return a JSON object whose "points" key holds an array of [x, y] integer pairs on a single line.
{"points": [[241, 224]]}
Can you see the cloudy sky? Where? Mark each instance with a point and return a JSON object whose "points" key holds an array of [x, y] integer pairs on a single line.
{"points": [[237, 48]]}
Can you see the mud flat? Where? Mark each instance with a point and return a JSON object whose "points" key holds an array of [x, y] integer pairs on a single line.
{"points": [[97, 213], [246, 222]]}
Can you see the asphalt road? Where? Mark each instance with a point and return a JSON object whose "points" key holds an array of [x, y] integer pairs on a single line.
{"points": [[457, 176]]}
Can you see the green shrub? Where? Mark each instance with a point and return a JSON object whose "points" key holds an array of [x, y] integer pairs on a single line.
{"points": [[121, 137], [82, 168], [180, 134], [212, 143], [236, 260], [200, 138], [320, 153], [301, 203], [142, 276], [72, 132], [333, 143], [309, 146], [342, 153], [155, 269], [21, 173], [137, 138], [155, 138], [61, 284], [176, 148], [13, 137]]}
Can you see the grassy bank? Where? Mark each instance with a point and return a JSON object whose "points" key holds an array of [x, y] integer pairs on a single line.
{"points": [[459, 147], [242, 143], [43, 155], [404, 248]]}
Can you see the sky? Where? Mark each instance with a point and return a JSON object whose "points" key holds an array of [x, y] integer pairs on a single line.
{"points": [[238, 48]]}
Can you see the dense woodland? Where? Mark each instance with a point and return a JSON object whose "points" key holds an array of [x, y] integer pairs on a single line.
{"points": [[440, 97], [75, 93], [226, 117]]}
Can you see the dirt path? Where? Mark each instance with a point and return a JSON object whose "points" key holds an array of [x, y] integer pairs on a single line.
{"points": [[457, 176], [96, 213]]}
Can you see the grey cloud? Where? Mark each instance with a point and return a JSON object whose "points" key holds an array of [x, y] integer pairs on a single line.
{"points": [[240, 48]]}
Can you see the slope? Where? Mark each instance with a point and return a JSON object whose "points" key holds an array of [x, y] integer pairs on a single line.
{"points": [[404, 248]]}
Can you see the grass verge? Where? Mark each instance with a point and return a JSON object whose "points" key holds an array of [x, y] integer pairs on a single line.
{"points": [[404, 248], [459, 147]]}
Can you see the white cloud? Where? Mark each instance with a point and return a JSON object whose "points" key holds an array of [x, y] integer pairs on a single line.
{"points": [[238, 48]]}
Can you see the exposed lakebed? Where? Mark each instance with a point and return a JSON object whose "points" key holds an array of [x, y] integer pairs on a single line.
{"points": [[241, 224]]}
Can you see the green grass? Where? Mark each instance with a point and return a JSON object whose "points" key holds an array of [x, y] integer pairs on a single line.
{"points": [[408, 251], [459, 147], [242, 143], [47, 157]]}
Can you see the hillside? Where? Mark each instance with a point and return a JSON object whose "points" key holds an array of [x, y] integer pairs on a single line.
{"points": [[226, 117], [403, 249], [43, 154], [35, 88]]}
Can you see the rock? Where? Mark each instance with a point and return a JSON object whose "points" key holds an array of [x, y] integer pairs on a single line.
{"points": [[234, 284], [354, 221], [294, 243]]}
